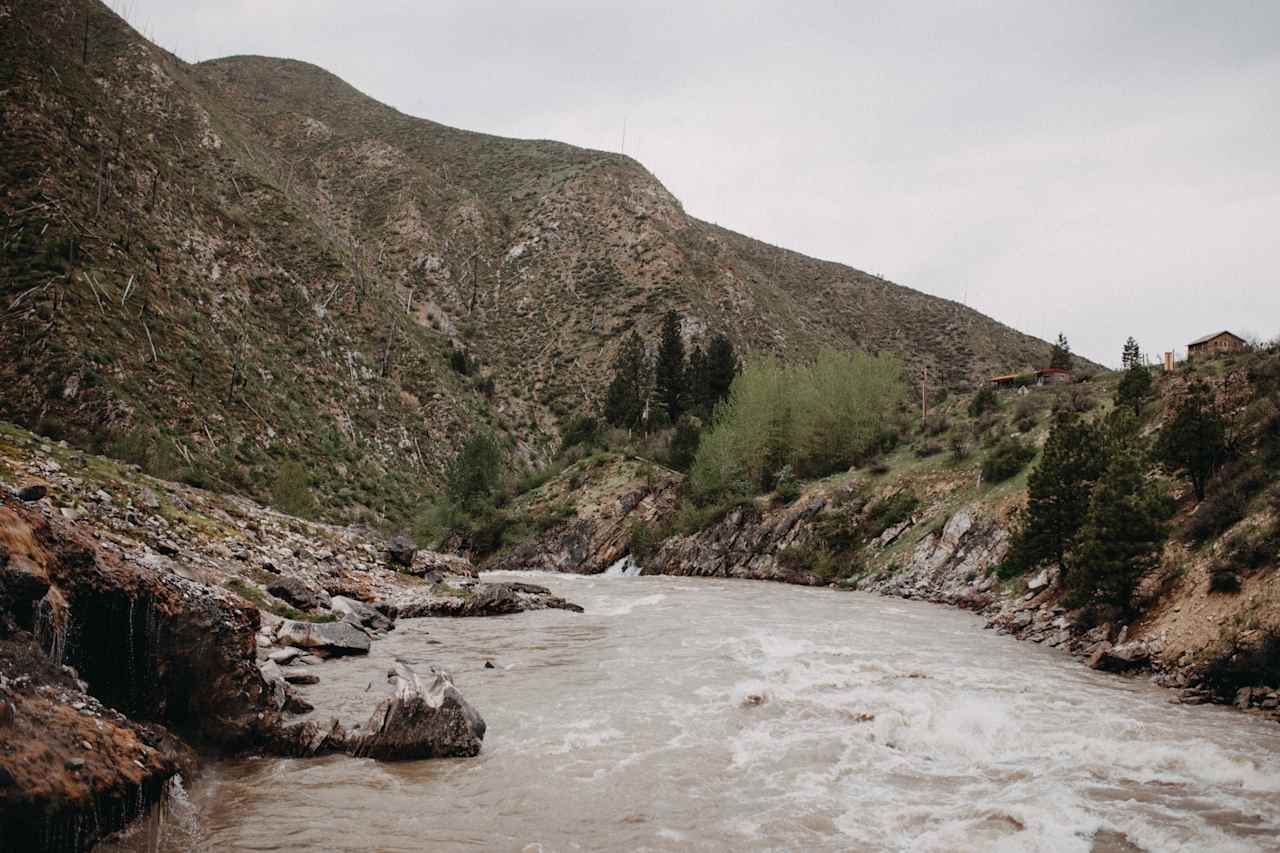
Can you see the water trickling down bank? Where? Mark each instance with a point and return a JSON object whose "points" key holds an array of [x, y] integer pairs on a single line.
{"points": [[683, 713]]}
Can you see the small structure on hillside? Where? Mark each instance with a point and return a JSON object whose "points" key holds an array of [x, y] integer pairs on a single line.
{"points": [[1044, 376], [1216, 344]]}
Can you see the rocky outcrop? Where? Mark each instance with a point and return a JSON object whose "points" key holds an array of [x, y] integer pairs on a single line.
{"points": [[619, 495], [72, 770], [416, 721], [156, 646], [950, 566], [746, 543]]}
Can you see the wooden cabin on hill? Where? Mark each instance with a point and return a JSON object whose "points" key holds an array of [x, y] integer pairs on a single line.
{"points": [[1216, 344]]}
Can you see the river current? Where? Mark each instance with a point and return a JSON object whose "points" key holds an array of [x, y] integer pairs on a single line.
{"points": [[702, 714]]}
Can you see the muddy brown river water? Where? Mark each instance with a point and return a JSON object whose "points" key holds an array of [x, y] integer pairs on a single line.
{"points": [[698, 714]]}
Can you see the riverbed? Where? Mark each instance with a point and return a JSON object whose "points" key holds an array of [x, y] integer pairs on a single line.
{"points": [[702, 714]]}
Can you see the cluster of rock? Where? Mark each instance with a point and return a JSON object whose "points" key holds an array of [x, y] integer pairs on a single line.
{"points": [[136, 618]]}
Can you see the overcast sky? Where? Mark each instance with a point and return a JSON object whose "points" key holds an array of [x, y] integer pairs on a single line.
{"points": [[1102, 168]]}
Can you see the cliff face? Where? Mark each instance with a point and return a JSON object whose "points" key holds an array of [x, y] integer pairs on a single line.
{"points": [[212, 269]]}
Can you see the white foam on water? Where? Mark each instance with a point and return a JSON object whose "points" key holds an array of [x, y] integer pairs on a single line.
{"points": [[627, 605], [625, 567]]}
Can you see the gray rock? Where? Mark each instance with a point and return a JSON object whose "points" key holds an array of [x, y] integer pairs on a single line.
{"points": [[335, 638], [401, 550], [284, 656], [1120, 658], [295, 677], [301, 595], [420, 721], [360, 613]]}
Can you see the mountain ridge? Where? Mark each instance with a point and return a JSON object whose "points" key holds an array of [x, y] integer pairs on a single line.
{"points": [[216, 269]]}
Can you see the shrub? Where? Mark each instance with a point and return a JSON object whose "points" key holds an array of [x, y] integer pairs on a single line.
{"points": [[788, 487], [959, 447], [460, 362], [890, 512], [1006, 460], [1217, 513], [1224, 581], [984, 401], [644, 540], [684, 443], [927, 449], [291, 490], [584, 430], [935, 425], [475, 474]]}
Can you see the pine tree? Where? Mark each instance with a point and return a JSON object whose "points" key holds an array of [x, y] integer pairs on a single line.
{"points": [[475, 474], [1132, 355], [721, 368], [1134, 387], [1122, 537], [1060, 357], [628, 393], [669, 370], [1195, 439], [695, 382], [1058, 492]]}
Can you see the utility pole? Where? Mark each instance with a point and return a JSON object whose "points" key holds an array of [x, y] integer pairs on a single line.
{"points": [[624, 135], [924, 392]]}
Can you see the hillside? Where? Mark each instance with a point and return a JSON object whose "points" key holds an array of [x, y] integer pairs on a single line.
{"points": [[927, 521], [220, 269]]}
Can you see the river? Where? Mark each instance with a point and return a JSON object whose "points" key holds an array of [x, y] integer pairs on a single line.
{"points": [[702, 714]]}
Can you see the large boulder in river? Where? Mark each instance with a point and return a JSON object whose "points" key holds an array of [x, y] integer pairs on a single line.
{"points": [[420, 721], [416, 721], [335, 638]]}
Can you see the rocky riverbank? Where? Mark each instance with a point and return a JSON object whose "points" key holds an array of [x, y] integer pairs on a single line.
{"points": [[144, 622], [943, 550]]}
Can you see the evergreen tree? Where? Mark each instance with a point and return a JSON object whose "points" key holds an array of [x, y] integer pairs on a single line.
{"points": [[721, 368], [628, 393], [475, 474], [1122, 537], [1195, 439], [669, 370], [1131, 355], [1134, 387], [1060, 357], [1058, 492], [695, 382]]}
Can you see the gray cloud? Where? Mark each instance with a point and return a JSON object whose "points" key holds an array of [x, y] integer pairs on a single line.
{"points": [[1099, 168]]}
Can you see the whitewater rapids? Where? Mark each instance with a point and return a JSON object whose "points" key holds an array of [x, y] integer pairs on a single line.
{"points": [[696, 714]]}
